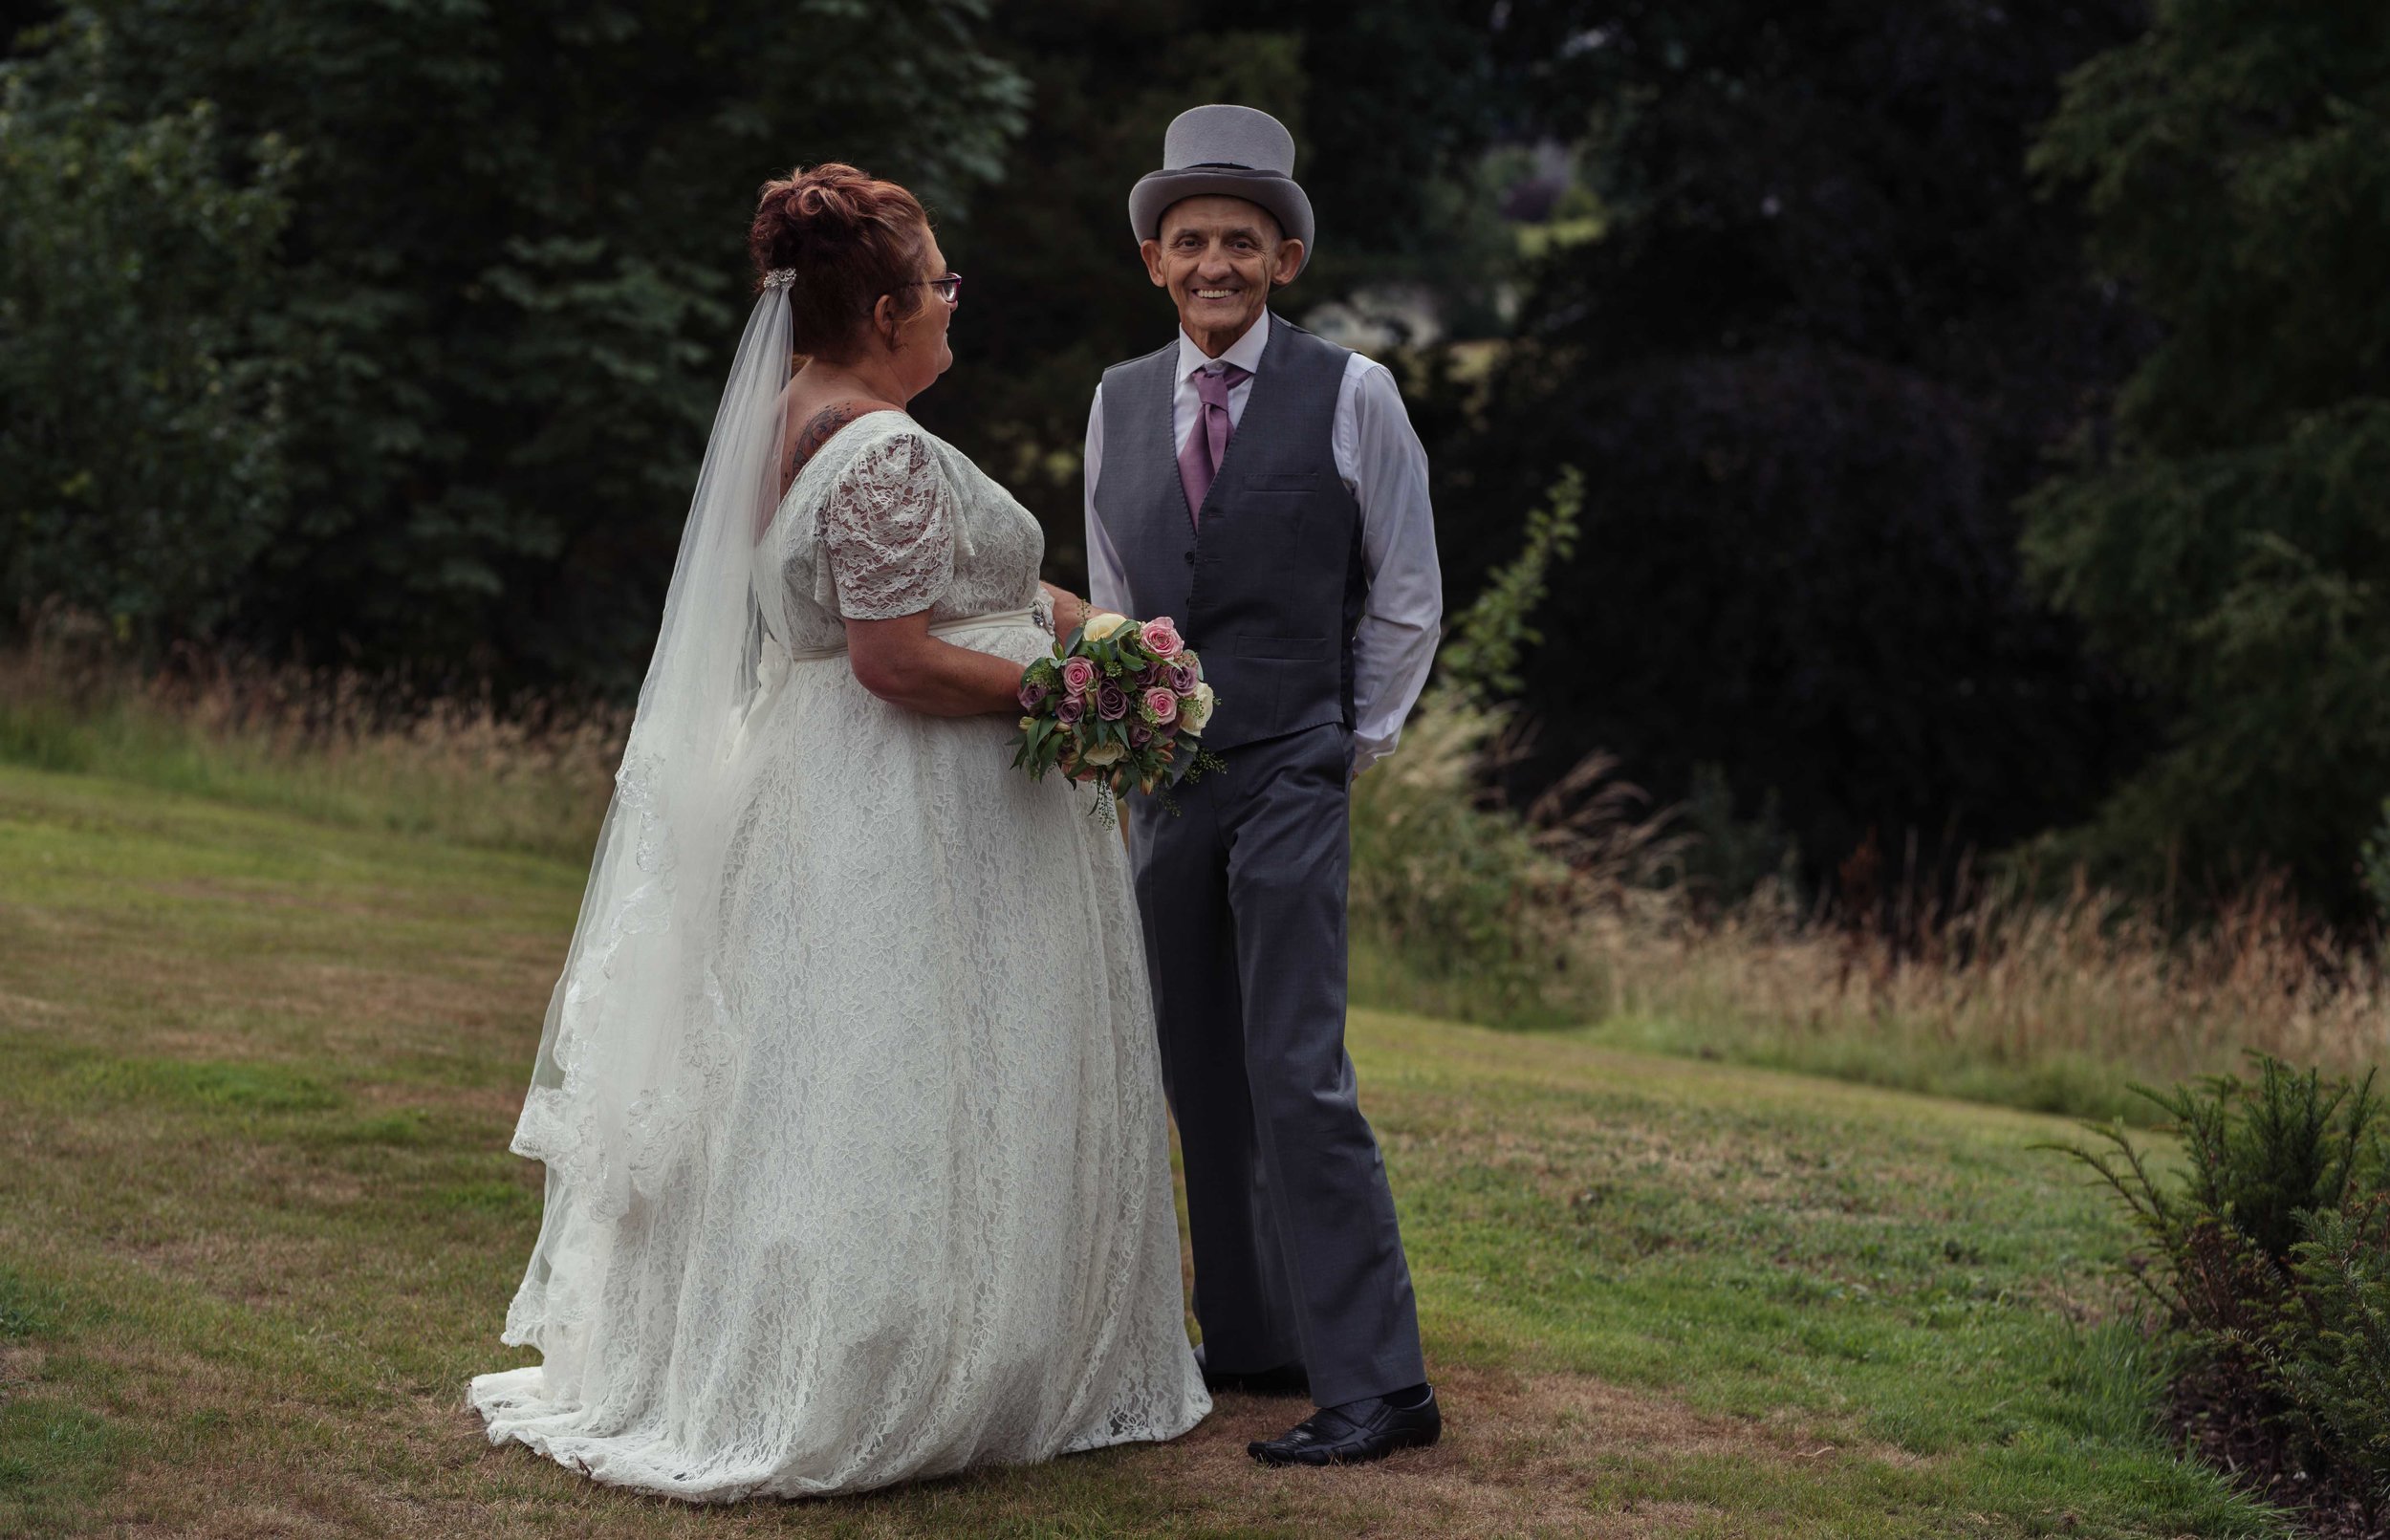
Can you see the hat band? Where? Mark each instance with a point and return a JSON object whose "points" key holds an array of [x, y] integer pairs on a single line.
{"points": [[1218, 165]]}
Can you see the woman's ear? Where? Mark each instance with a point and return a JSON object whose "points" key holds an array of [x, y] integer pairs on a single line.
{"points": [[883, 320]]}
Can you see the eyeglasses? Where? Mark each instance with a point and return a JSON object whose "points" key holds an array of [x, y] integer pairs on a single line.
{"points": [[949, 288]]}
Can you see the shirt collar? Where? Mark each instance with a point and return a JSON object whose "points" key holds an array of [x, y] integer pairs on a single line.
{"points": [[1245, 352]]}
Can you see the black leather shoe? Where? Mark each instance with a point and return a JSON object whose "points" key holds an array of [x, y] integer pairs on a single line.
{"points": [[1347, 1435], [1287, 1380]]}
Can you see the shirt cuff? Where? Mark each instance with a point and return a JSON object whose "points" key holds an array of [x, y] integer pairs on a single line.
{"points": [[1368, 751]]}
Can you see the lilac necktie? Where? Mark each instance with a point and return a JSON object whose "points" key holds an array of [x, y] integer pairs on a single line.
{"points": [[1199, 457]]}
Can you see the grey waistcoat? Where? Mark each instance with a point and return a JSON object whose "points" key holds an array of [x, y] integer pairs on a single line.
{"points": [[1269, 588]]}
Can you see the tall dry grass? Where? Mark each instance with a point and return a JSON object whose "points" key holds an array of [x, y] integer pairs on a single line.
{"points": [[534, 776], [1576, 909], [2053, 1006]]}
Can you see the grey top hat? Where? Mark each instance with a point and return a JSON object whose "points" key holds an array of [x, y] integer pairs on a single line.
{"points": [[1238, 152]]}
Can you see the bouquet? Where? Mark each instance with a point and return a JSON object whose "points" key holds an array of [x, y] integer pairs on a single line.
{"points": [[1120, 705]]}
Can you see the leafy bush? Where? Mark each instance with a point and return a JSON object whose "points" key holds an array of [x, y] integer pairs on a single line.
{"points": [[1448, 889]]}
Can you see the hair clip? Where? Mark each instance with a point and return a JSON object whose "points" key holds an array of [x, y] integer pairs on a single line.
{"points": [[779, 278]]}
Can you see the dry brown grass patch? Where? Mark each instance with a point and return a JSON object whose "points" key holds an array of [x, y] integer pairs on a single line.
{"points": [[20, 1366], [1523, 1454]]}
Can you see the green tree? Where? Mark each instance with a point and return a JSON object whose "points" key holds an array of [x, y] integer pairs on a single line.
{"points": [[511, 273], [2227, 537], [141, 472], [1808, 333]]}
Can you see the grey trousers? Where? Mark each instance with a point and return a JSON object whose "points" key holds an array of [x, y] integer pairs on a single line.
{"points": [[1297, 1255]]}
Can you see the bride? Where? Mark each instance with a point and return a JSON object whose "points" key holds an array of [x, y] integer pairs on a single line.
{"points": [[849, 1095]]}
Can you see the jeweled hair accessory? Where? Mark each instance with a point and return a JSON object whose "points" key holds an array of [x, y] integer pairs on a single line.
{"points": [[779, 278]]}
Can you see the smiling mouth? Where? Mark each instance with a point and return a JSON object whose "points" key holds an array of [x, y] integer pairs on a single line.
{"points": [[1216, 293]]}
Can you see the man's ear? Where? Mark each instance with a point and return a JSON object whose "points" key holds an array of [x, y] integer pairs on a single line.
{"points": [[1151, 251], [1290, 263]]}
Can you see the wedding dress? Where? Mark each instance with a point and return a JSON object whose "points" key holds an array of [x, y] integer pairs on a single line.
{"points": [[918, 1214]]}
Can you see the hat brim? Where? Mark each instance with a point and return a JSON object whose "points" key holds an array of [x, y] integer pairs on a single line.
{"points": [[1282, 196]]}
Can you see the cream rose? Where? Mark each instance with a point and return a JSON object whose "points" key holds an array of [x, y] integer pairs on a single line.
{"points": [[1103, 623], [1106, 753], [1196, 712]]}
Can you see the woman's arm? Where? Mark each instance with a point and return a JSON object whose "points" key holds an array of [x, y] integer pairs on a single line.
{"points": [[1069, 611], [899, 661]]}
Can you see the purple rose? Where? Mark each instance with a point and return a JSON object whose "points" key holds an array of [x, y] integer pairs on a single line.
{"points": [[1139, 735], [1072, 709], [1032, 695], [1182, 679], [1112, 702]]}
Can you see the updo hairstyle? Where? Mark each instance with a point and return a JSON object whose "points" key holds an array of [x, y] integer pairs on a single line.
{"points": [[850, 238]]}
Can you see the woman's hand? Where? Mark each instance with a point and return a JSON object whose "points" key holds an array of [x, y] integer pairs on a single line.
{"points": [[1069, 611]]}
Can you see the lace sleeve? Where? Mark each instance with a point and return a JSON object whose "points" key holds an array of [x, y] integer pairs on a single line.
{"points": [[888, 529]]}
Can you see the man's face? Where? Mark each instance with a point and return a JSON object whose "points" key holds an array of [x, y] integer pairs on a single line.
{"points": [[1219, 257]]}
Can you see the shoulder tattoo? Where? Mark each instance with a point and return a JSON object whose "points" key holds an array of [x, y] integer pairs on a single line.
{"points": [[816, 433]]}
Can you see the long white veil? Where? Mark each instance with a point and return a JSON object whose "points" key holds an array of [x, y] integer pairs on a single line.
{"points": [[633, 1043]]}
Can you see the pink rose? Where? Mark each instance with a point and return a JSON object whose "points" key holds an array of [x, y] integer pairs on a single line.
{"points": [[1162, 638], [1072, 709], [1077, 673], [1162, 706]]}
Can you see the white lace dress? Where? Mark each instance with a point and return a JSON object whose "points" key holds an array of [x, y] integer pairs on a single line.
{"points": [[930, 1225]]}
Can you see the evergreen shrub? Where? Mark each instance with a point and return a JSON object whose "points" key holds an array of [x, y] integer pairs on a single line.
{"points": [[2272, 1263]]}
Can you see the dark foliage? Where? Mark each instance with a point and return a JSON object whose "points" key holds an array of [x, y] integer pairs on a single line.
{"points": [[511, 275], [1827, 341], [2227, 539], [142, 465]]}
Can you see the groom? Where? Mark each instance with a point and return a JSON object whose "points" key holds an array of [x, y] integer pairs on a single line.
{"points": [[1264, 487]]}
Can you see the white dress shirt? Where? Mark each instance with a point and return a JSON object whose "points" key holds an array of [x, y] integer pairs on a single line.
{"points": [[1379, 458]]}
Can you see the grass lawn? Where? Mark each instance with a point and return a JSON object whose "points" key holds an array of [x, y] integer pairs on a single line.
{"points": [[258, 1226]]}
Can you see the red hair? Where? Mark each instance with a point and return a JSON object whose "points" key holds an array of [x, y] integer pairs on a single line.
{"points": [[850, 238]]}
